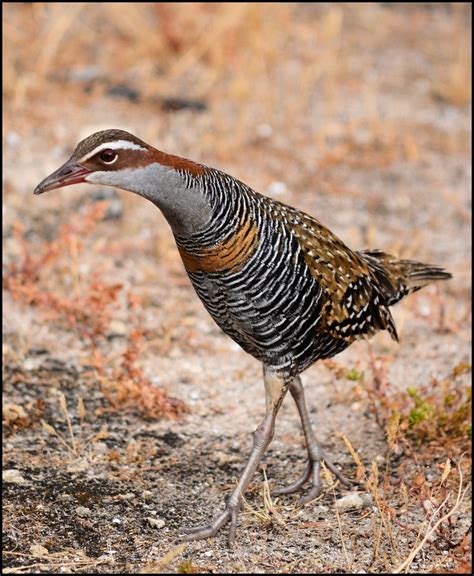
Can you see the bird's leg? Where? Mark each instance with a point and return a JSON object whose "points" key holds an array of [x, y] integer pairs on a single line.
{"points": [[276, 387], [315, 451]]}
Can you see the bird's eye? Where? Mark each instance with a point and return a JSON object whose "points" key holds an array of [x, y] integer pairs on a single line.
{"points": [[108, 156]]}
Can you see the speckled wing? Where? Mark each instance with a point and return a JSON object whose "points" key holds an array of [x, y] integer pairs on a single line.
{"points": [[353, 303]]}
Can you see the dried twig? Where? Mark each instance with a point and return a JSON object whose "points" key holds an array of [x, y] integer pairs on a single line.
{"points": [[433, 527]]}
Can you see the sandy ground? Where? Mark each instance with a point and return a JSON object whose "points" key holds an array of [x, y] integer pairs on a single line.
{"points": [[392, 172]]}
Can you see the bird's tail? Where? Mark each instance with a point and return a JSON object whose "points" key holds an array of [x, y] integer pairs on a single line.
{"points": [[398, 278]]}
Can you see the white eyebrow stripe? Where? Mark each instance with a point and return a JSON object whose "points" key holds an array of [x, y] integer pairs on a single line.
{"points": [[115, 145]]}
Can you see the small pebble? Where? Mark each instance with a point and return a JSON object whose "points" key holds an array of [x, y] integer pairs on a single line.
{"points": [[79, 465], [368, 500], [83, 511], [264, 130], [38, 550], [118, 328], [128, 496], [351, 502], [100, 448], [13, 139], [156, 522], [147, 495], [13, 476], [380, 460]]}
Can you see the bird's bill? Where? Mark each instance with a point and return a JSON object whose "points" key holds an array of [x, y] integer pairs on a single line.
{"points": [[70, 173]]}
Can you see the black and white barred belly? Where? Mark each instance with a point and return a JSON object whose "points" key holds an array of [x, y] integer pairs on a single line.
{"points": [[271, 306]]}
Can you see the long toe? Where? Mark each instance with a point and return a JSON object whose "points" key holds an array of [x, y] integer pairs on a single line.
{"points": [[316, 480], [310, 496], [233, 527], [201, 532], [295, 486], [316, 485], [312, 471]]}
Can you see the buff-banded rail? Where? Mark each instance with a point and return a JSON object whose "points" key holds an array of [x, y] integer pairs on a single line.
{"points": [[273, 278]]}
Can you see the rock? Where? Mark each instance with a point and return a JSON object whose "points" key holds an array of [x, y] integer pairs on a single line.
{"points": [[31, 364], [380, 460], [83, 512], [128, 496], [147, 495], [354, 502], [156, 522], [79, 465], [38, 550], [13, 139], [430, 505], [117, 328], [100, 448], [172, 104], [264, 130], [368, 500], [13, 476]]}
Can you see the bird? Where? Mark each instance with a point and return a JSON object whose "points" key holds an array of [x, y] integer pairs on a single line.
{"points": [[273, 278]]}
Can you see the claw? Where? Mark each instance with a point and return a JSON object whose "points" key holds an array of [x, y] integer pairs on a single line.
{"points": [[201, 532], [316, 487], [312, 471], [233, 528], [296, 485]]}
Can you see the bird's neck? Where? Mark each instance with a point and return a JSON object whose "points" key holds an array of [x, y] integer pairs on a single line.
{"points": [[177, 194]]}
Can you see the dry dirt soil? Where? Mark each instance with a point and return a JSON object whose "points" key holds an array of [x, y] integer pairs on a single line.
{"points": [[359, 115]]}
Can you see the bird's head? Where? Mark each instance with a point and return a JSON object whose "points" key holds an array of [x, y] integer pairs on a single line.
{"points": [[115, 158], [102, 158]]}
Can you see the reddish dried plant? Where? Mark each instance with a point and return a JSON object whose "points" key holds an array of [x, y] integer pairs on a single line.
{"points": [[48, 278], [128, 387], [37, 278]]}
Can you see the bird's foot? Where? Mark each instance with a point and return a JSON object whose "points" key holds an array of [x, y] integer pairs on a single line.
{"points": [[199, 532], [312, 472]]}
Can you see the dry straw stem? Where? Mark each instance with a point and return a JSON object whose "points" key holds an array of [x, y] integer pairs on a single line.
{"points": [[47, 45], [77, 448], [371, 483], [51, 565], [404, 566], [154, 567], [269, 513], [205, 41], [330, 481], [51, 430], [360, 467], [81, 411]]}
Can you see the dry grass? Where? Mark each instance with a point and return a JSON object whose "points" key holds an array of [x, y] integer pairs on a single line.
{"points": [[230, 55]]}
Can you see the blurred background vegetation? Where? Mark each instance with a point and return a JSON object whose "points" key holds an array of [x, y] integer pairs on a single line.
{"points": [[312, 73]]}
